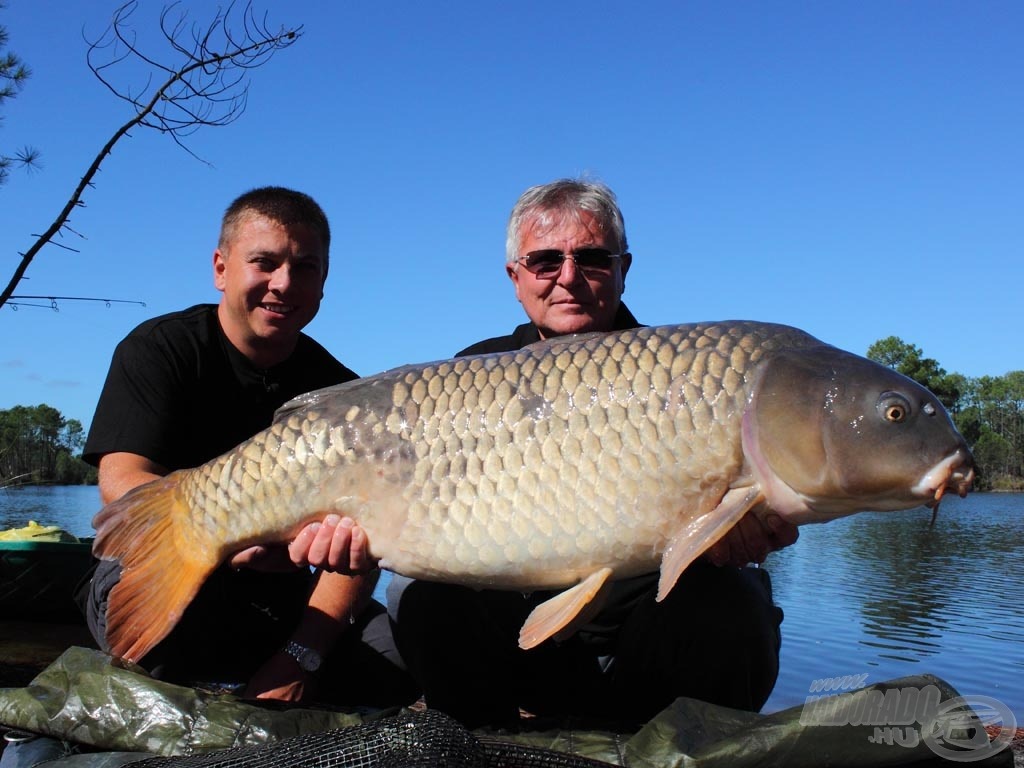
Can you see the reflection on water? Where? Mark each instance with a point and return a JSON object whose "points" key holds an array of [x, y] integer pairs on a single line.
{"points": [[878, 593], [69, 506], [888, 594]]}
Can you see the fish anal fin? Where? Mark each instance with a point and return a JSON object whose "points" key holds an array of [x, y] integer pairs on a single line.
{"points": [[687, 544], [159, 576], [559, 615]]}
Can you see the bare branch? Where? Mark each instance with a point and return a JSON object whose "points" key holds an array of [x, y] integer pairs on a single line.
{"points": [[204, 82]]}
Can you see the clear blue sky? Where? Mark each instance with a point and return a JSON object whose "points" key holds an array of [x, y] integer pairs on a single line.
{"points": [[855, 169]]}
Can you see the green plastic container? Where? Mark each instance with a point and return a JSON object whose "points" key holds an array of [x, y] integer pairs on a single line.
{"points": [[38, 580]]}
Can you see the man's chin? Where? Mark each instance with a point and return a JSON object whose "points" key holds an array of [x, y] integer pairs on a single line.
{"points": [[567, 323], [275, 322]]}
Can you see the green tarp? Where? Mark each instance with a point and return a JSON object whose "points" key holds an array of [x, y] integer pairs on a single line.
{"points": [[86, 699]]}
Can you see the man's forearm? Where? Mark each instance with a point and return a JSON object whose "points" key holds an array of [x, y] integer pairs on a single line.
{"points": [[334, 603]]}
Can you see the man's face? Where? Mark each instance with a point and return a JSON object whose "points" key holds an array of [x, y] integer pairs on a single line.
{"points": [[570, 302], [272, 279]]}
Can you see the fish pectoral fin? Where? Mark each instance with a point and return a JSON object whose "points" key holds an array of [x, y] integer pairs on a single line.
{"points": [[688, 544], [557, 615]]}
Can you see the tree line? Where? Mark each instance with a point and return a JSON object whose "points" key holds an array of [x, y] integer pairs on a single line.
{"points": [[988, 411], [38, 446]]}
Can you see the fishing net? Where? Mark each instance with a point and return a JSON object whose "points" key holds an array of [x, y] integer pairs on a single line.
{"points": [[410, 739]]}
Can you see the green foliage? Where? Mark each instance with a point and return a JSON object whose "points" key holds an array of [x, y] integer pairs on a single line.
{"points": [[38, 445], [909, 360], [988, 411], [13, 74]]}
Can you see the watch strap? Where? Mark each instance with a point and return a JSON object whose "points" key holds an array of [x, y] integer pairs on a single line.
{"points": [[307, 658]]}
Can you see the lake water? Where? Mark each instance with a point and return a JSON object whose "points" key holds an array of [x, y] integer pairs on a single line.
{"points": [[881, 594]]}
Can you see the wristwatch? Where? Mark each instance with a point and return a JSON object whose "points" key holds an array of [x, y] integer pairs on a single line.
{"points": [[307, 658]]}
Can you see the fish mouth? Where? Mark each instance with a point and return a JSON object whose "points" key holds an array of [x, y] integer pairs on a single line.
{"points": [[955, 472]]}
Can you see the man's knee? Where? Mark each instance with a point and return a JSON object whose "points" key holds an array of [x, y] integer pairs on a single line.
{"points": [[92, 599]]}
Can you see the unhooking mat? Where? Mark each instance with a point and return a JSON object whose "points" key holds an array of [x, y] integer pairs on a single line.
{"points": [[97, 714]]}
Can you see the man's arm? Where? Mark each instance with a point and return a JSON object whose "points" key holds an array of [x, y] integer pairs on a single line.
{"points": [[333, 605], [751, 539], [336, 600], [120, 472]]}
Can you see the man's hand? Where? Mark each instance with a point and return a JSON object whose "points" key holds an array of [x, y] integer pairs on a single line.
{"points": [[269, 558], [751, 539], [337, 544], [280, 678]]}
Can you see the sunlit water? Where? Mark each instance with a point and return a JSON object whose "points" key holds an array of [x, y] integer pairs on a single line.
{"points": [[69, 506], [877, 594], [887, 595]]}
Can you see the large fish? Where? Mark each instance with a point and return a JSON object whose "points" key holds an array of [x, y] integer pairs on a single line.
{"points": [[565, 464]]}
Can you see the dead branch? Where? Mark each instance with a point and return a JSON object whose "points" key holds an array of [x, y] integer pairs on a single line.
{"points": [[205, 84]]}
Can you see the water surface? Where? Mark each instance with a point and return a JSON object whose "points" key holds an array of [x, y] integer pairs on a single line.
{"points": [[887, 595], [69, 506]]}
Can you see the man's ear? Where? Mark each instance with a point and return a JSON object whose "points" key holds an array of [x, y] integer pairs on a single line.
{"points": [[624, 264], [513, 275], [219, 265]]}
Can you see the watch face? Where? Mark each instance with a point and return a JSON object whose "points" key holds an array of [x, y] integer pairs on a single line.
{"points": [[309, 660]]}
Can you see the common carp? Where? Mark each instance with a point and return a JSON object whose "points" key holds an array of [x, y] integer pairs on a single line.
{"points": [[568, 463]]}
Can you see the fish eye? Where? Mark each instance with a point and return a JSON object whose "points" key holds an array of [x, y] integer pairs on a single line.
{"points": [[894, 407]]}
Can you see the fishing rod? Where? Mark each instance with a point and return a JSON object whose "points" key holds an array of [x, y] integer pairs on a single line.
{"points": [[54, 299]]}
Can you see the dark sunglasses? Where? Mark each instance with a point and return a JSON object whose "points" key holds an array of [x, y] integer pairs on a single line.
{"points": [[592, 262]]}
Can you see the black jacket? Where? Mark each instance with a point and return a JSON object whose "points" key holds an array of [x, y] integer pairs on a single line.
{"points": [[527, 334]]}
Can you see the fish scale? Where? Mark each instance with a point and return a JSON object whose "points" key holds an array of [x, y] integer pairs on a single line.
{"points": [[601, 387], [564, 463]]}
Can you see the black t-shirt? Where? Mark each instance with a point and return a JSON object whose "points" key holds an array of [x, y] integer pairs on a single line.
{"points": [[179, 393]]}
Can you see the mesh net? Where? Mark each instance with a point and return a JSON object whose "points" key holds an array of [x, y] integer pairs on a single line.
{"points": [[411, 739]]}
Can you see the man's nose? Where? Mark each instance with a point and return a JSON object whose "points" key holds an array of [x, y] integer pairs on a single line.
{"points": [[281, 278], [569, 271]]}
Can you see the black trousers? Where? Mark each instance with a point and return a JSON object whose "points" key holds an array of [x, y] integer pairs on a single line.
{"points": [[715, 637], [239, 619]]}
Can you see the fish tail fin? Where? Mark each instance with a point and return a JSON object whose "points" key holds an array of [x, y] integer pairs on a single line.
{"points": [[144, 530]]}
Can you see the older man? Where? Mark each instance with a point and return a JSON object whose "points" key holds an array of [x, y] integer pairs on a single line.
{"points": [[715, 637]]}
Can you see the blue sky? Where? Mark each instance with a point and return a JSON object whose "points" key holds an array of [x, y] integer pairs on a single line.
{"points": [[854, 169]]}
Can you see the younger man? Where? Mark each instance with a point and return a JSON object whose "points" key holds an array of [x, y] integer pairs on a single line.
{"points": [[188, 386]]}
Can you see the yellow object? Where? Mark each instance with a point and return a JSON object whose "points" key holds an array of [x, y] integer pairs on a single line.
{"points": [[36, 532]]}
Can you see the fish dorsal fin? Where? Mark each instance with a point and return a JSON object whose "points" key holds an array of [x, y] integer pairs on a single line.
{"points": [[687, 544], [554, 615]]}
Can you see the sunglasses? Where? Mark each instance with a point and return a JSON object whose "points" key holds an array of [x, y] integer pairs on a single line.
{"points": [[547, 264]]}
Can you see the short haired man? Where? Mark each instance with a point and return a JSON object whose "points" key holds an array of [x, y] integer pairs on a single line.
{"points": [[715, 637], [188, 386]]}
